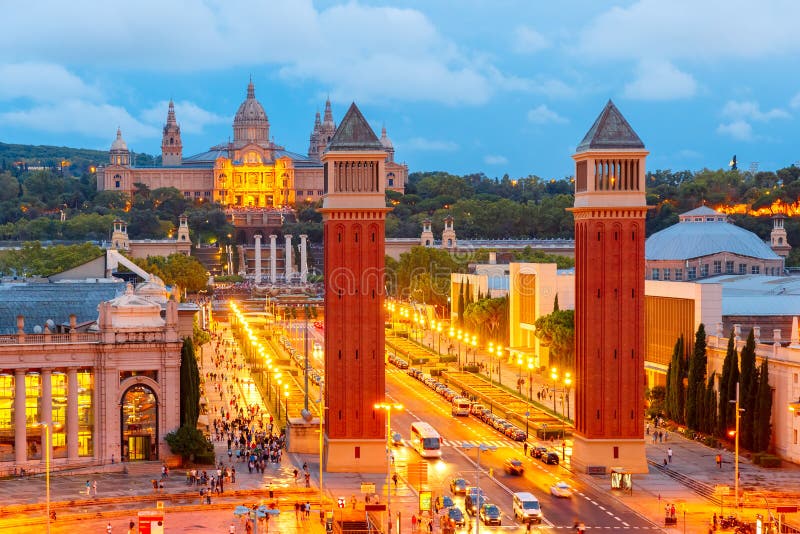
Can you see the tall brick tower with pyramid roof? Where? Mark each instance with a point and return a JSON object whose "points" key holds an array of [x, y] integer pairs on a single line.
{"points": [[353, 213], [609, 212]]}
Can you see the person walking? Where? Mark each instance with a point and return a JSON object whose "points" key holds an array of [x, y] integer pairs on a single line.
{"points": [[94, 488], [669, 454], [88, 488], [719, 463]]}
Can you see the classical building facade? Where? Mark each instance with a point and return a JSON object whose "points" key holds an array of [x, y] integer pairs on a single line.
{"points": [[252, 171], [108, 388]]}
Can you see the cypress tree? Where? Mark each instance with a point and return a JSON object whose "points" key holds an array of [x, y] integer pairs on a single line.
{"points": [[189, 385], [763, 410], [555, 303], [711, 406], [676, 395], [697, 379], [748, 391], [724, 390]]}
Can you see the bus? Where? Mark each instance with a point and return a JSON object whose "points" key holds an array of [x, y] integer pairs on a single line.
{"points": [[426, 440]]}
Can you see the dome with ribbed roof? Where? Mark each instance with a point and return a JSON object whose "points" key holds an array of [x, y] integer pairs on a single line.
{"points": [[703, 232], [251, 125], [119, 143]]}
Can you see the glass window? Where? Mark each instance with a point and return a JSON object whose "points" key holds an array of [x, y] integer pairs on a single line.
{"points": [[728, 267], [717, 267], [116, 184], [678, 274], [691, 273], [85, 413], [667, 273], [33, 401], [755, 269], [7, 417], [59, 383], [197, 194], [704, 270], [742, 268], [656, 274], [187, 194]]}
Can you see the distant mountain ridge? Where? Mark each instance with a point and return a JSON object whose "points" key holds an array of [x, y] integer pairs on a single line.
{"points": [[80, 159]]}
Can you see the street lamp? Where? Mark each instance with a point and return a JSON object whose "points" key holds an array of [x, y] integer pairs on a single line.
{"points": [[736, 448], [530, 379], [554, 376], [388, 407], [481, 447], [47, 454]]}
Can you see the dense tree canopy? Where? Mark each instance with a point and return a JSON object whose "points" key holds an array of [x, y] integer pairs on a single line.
{"points": [[185, 272], [34, 259]]}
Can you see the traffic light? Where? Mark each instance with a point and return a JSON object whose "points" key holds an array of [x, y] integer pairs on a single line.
{"points": [[340, 502]]}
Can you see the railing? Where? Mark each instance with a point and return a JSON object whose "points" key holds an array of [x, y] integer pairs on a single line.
{"points": [[41, 339]]}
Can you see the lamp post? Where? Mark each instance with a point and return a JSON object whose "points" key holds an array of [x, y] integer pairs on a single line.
{"points": [[480, 447], [47, 454], [736, 449], [388, 407], [554, 376], [530, 379]]}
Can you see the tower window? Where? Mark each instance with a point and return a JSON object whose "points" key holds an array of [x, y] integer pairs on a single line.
{"points": [[116, 184]]}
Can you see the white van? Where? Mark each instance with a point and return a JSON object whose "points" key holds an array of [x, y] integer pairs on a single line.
{"points": [[526, 507], [460, 406]]}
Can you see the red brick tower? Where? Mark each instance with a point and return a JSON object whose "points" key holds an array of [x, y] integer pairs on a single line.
{"points": [[609, 215], [353, 212]]}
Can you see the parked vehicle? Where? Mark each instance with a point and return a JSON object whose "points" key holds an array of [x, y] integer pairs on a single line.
{"points": [[550, 458], [537, 452], [526, 507], [460, 406]]}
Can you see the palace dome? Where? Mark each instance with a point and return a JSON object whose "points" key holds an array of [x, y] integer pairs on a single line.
{"points": [[251, 125], [119, 143]]}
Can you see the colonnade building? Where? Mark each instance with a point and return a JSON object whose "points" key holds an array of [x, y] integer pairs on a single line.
{"points": [[251, 171], [105, 377]]}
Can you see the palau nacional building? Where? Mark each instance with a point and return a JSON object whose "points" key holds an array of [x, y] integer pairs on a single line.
{"points": [[249, 172]]}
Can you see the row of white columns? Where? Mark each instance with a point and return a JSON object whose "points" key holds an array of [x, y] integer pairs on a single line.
{"points": [[288, 270], [46, 414]]}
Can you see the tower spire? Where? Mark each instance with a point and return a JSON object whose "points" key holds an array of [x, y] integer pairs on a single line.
{"points": [[251, 89]]}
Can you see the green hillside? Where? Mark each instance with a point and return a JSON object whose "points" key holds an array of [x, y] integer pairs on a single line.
{"points": [[21, 157]]}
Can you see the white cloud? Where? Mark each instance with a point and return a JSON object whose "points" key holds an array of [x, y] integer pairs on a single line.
{"points": [[79, 117], [794, 103], [190, 117], [429, 145], [739, 129], [660, 80], [494, 159], [526, 40], [544, 115], [42, 82], [749, 110], [358, 51], [691, 30]]}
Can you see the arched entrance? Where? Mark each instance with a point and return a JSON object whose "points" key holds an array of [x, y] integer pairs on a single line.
{"points": [[139, 424]]}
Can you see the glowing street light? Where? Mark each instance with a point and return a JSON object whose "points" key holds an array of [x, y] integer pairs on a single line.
{"points": [[47, 454], [388, 407]]}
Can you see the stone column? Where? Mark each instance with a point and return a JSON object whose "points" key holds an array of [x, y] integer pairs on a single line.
{"points": [[273, 260], [287, 258], [258, 258], [20, 426], [303, 258], [46, 416], [72, 414]]}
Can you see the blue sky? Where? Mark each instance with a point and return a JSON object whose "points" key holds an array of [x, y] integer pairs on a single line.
{"points": [[493, 86]]}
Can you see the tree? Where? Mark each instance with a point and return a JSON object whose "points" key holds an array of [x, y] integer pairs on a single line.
{"points": [[185, 272], [748, 391], [696, 390], [730, 369], [190, 385], [488, 316], [437, 264], [763, 410], [34, 259], [189, 442], [709, 420], [676, 394], [557, 331]]}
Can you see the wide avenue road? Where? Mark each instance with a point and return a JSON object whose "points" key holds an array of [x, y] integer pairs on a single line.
{"points": [[595, 509]]}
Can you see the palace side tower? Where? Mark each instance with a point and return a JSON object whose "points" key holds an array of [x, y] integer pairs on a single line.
{"points": [[353, 213], [609, 216]]}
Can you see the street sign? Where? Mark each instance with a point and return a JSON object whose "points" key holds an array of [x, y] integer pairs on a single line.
{"points": [[786, 509], [340, 502], [368, 488], [425, 501]]}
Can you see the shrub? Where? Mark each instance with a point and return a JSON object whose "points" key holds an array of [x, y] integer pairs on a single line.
{"points": [[769, 460], [189, 443]]}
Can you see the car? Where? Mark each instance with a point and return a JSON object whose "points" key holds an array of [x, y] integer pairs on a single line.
{"points": [[514, 466], [397, 439], [517, 434], [456, 517], [490, 514], [561, 489], [550, 458], [477, 409], [458, 486], [537, 452], [472, 501], [446, 501]]}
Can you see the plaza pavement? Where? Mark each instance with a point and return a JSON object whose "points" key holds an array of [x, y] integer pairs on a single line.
{"points": [[121, 495]]}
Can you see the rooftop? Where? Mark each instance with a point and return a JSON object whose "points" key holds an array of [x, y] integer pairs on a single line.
{"points": [[610, 131]]}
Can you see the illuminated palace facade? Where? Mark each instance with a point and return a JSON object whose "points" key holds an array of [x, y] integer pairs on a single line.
{"points": [[252, 171]]}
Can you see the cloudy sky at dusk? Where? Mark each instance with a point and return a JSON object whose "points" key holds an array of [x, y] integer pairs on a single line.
{"points": [[493, 86]]}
